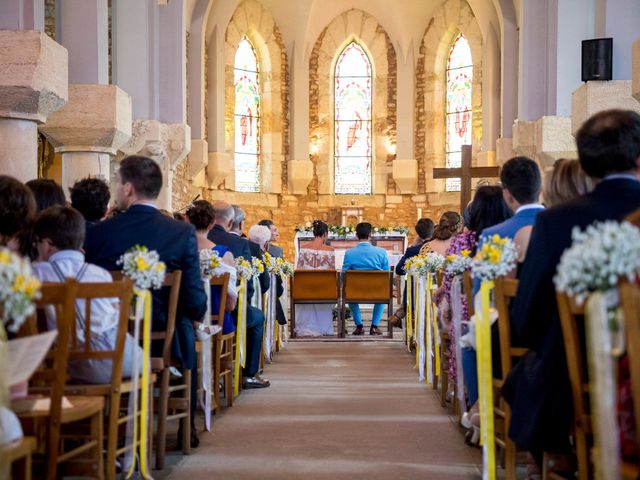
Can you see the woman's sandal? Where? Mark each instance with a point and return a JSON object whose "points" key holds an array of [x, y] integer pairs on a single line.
{"points": [[395, 320]]}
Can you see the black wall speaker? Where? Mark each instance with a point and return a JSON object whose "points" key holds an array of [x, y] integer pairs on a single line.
{"points": [[597, 59]]}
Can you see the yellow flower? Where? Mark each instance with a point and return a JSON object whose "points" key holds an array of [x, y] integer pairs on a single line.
{"points": [[451, 258], [141, 264], [160, 267], [465, 253], [27, 285], [485, 248], [494, 255], [4, 257]]}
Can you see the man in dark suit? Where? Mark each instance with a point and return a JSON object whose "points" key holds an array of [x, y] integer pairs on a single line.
{"points": [[237, 228], [220, 234], [139, 183], [424, 229], [274, 250], [538, 388]]}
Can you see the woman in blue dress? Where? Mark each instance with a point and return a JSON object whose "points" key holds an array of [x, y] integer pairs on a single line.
{"points": [[202, 216]]}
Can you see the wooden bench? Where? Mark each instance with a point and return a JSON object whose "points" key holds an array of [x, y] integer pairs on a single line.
{"points": [[314, 287], [367, 286]]}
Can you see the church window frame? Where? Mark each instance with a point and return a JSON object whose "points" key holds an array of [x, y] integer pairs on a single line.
{"points": [[458, 105], [247, 118], [352, 126]]}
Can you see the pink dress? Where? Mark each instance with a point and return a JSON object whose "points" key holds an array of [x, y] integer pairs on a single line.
{"points": [[315, 320]]}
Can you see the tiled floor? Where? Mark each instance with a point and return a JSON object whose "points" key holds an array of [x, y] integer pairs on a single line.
{"points": [[335, 410]]}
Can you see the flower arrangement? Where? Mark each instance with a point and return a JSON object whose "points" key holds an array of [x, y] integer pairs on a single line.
{"points": [[257, 265], [342, 231], [497, 257], [421, 265], [270, 262], [284, 268], [18, 290], [598, 257], [244, 268], [277, 266], [210, 262], [144, 267], [458, 264]]}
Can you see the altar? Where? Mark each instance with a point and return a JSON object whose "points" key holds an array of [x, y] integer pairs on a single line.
{"points": [[395, 243]]}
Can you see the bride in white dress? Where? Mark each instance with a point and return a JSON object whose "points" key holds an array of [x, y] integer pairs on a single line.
{"points": [[316, 319]]}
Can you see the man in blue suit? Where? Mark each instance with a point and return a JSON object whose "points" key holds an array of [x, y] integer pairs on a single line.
{"points": [[138, 186], [365, 256]]}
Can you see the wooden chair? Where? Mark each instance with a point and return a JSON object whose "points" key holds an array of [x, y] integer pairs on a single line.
{"points": [[505, 291], [116, 393], [467, 289], [16, 456], [314, 286], [82, 421], [217, 318], [168, 399], [367, 286], [572, 321], [630, 302], [225, 358]]}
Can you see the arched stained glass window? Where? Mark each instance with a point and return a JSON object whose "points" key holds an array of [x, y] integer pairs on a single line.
{"points": [[458, 126], [246, 72], [352, 121]]}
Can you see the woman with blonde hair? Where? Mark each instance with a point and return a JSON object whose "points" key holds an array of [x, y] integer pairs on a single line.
{"points": [[566, 182]]}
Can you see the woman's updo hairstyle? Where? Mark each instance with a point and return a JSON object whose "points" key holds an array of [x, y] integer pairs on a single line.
{"points": [[449, 225], [319, 228], [201, 214]]}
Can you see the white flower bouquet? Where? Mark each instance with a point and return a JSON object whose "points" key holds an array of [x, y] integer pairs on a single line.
{"points": [[433, 262], [599, 256], [270, 263], [284, 268], [244, 268], [18, 290], [421, 265], [257, 265], [458, 264], [144, 267], [210, 263], [497, 258]]}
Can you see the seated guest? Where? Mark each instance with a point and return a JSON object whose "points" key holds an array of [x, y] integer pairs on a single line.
{"points": [[90, 196], [449, 225], [538, 387], [315, 319], [424, 229], [365, 256], [274, 250], [237, 228], [47, 193], [59, 233], [17, 212], [261, 235], [220, 234], [201, 215], [139, 181]]}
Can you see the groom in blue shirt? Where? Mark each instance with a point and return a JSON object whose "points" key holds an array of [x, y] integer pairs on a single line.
{"points": [[365, 256]]}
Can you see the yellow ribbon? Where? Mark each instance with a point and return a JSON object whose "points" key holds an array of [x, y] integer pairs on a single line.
{"points": [[485, 382], [240, 335], [418, 346], [429, 332], [145, 297], [409, 315]]}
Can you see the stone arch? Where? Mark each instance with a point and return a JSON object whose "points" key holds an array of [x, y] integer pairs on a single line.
{"points": [[359, 26], [252, 20], [452, 17]]}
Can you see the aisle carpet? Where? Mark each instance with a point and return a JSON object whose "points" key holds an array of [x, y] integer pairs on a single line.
{"points": [[335, 410]]}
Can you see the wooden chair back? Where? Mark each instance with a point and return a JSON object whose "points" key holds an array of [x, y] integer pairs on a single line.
{"points": [[367, 286], [313, 286], [467, 289], [572, 322], [221, 281], [51, 376]]}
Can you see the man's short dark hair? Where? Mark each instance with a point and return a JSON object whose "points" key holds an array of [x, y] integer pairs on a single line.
{"points": [[46, 192], [266, 223], [521, 176], [63, 226], [144, 174], [609, 142], [90, 196], [425, 228], [363, 230]]}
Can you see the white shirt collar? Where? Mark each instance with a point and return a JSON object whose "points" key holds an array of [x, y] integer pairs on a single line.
{"points": [[530, 206], [616, 176], [234, 233], [73, 255]]}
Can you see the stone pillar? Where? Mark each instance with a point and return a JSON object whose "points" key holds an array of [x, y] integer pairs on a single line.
{"points": [[405, 175], [88, 130], [524, 138], [33, 85], [219, 168], [167, 144], [504, 150], [300, 174], [594, 97], [554, 140], [635, 82]]}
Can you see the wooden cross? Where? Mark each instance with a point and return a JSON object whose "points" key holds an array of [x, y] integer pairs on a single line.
{"points": [[466, 173]]}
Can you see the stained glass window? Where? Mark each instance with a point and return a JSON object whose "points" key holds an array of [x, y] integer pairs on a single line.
{"points": [[458, 122], [352, 122], [246, 74]]}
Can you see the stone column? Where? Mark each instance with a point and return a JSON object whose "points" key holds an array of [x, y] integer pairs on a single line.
{"points": [[593, 97], [167, 144], [89, 130], [97, 119], [33, 85]]}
